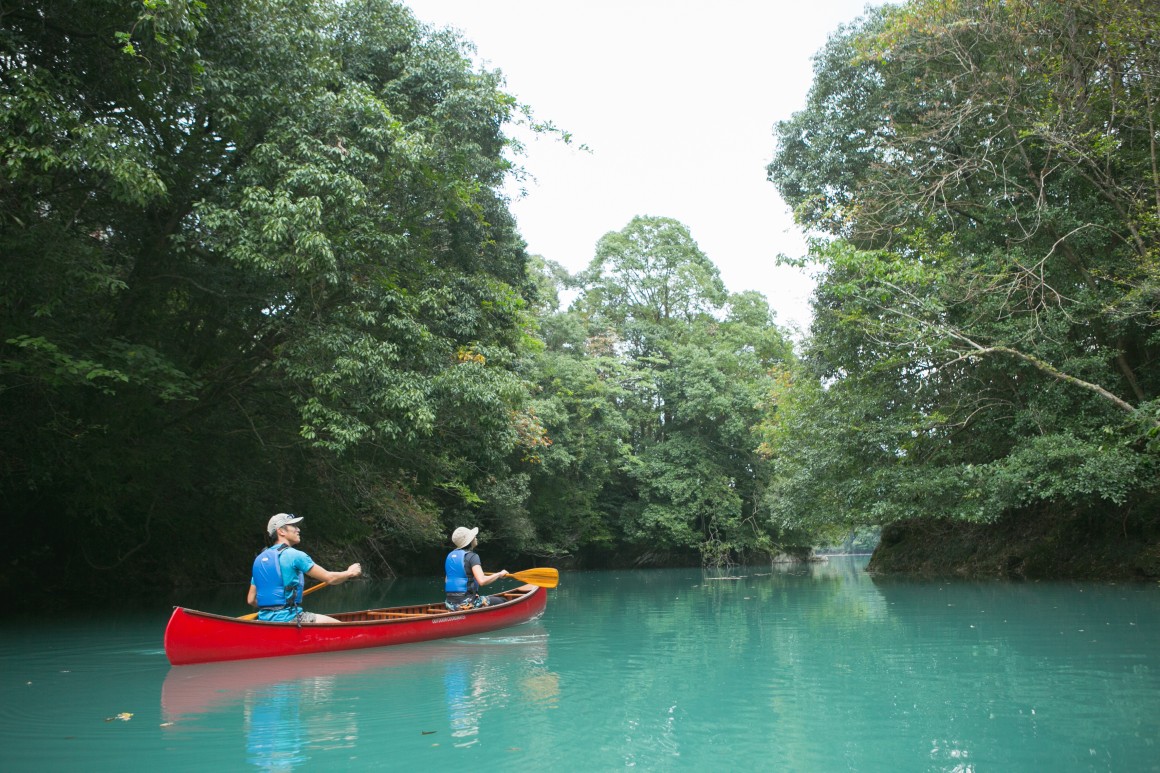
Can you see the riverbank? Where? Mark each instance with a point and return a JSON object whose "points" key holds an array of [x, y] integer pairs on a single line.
{"points": [[1041, 544]]}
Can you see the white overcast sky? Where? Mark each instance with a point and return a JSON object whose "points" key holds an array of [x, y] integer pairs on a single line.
{"points": [[676, 101]]}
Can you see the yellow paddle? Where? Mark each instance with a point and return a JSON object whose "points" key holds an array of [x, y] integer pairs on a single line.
{"points": [[544, 577], [305, 593]]}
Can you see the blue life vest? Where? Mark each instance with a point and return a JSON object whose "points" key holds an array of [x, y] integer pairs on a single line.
{"points": [[272, 594], [455, 578]]}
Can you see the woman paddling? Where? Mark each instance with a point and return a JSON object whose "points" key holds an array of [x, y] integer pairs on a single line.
{"points": [[463, 575]]}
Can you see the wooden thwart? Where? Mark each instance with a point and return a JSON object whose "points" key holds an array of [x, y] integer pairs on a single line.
{"points": [[406, 614]]}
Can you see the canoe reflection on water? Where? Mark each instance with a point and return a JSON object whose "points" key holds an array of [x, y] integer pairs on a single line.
{"points": [[292, 705]]}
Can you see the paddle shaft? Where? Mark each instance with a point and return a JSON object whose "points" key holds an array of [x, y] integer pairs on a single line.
{"points": [[305, 593]]}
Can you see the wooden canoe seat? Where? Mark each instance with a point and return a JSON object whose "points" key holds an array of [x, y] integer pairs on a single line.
{"points": [[397, 614]]}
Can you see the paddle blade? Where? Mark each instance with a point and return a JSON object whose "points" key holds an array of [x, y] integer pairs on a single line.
{"points": [[544, 577]]}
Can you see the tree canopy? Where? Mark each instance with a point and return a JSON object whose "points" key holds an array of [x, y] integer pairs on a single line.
{"points": [[663, 375], [980, 178], [257, 259]]}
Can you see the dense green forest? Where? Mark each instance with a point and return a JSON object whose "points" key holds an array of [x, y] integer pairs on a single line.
{"points": [[983, 181], [257, 257]]}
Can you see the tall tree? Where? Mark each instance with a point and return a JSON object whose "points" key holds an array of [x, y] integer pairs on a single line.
{"points": [[581, 388], [257, 258], [985, 324], [694, 362]]}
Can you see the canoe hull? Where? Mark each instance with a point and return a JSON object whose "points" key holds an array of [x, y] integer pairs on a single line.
{"points": [[201, 637]]}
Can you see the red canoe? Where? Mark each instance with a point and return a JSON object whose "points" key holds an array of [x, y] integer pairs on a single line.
{"points": [[201, 637]]}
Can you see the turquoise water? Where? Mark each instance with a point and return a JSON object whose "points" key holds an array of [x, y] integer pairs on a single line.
{"points": [[807, 669]]}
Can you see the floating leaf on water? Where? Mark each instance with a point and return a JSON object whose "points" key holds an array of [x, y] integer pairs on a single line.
{"points": [[429, 732], [124, 716]]}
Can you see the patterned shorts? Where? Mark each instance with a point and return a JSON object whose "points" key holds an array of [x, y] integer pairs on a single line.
{"points": [[471, 602]]}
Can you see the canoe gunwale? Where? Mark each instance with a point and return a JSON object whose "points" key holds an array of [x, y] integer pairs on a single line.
{"points": [[347, 623]]}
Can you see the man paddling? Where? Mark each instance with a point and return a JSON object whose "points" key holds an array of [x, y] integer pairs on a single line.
{"points": [[279, 575]]}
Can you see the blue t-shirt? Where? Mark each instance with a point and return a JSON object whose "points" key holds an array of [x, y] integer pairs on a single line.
{"points": [[292, 561]]}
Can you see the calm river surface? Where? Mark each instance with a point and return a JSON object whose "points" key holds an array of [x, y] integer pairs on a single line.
{"points": [[806, 669]]}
